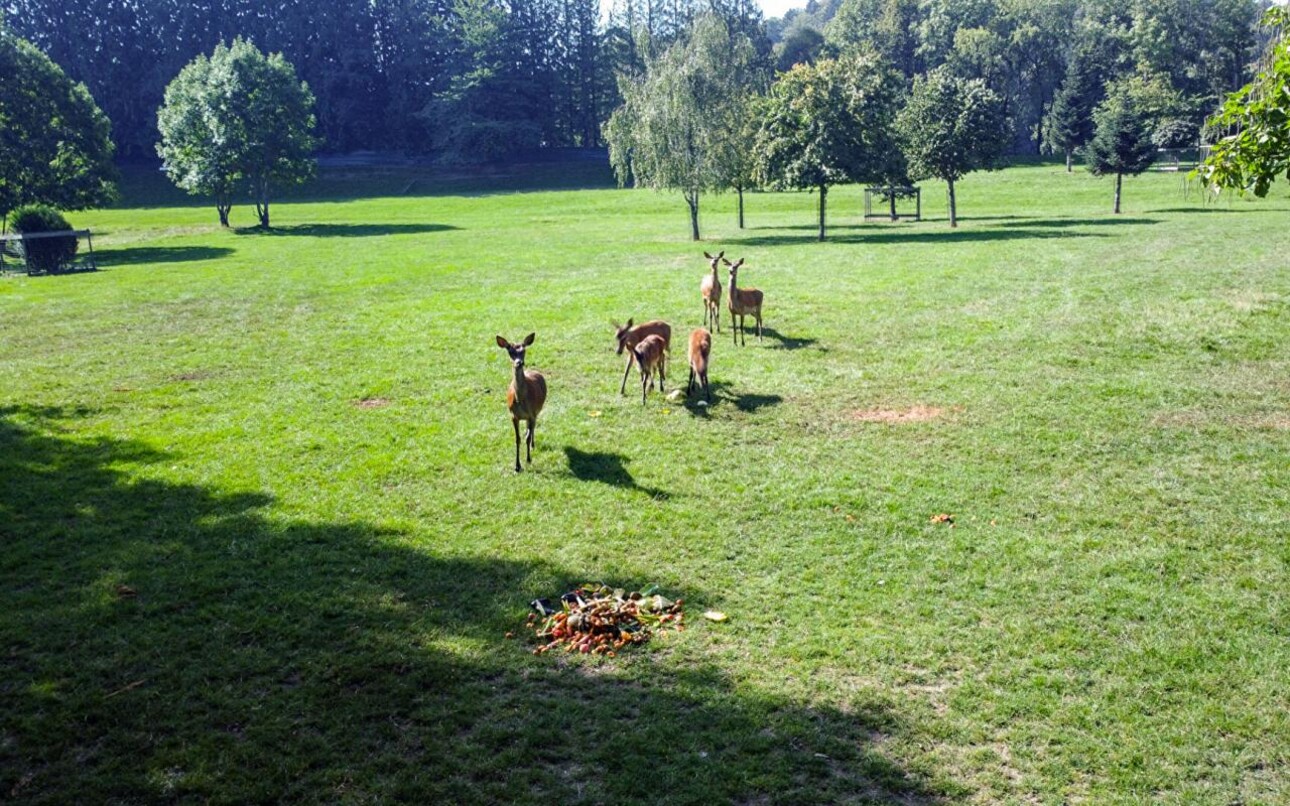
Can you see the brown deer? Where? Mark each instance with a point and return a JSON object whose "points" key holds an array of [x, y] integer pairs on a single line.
{"points": [[710, 290], [743, 302], [651, 357], [628, 337], [525, 397], [700, 349]]}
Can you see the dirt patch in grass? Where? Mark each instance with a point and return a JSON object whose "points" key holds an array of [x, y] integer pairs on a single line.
{"points": [[913, 414], [195, 375], [372, 402]]}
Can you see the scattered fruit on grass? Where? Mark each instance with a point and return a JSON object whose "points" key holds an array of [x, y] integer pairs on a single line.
{"points": [[943, 517], [715, 615]]}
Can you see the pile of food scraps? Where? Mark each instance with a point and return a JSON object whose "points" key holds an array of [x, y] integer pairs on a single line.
{"points": [[599, 620]]}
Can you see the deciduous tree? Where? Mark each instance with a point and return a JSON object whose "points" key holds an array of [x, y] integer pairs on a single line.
{"points": [[828, 123], [1121, 141], [951, 127]]}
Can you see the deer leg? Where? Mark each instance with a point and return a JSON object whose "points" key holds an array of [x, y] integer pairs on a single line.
{"points": [[623, 389], [689, 387], [743, 330], [528, 442], [516, 424], [707, 390], [645, 382], [758, 325], [662, 373], [734, 328]]}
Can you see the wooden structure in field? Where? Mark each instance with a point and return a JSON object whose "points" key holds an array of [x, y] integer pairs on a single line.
{"points": [[36, 253]]}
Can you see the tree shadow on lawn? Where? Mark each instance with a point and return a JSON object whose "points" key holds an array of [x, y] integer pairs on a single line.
{"points": [[607, 468], [873, 236], [168, 641], [346, 230], [135, 255], [1058, 223]]}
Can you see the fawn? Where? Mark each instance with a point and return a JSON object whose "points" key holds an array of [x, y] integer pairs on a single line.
{"points": [[525, 397], [700, 349], [651, 357], [628, 337], [710, 290], [743, 301]]}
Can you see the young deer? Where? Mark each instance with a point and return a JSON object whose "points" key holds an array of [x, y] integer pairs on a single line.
{"points": [[525, 397], [651, 357], [710, 290], [743, 302], [700, 349], [628, 337]]}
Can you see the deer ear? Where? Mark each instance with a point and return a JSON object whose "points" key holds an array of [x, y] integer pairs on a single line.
{"points": [[739, 262], [723, 260], [629, 323], [503, 343], [722, 253], [710, 257], [529, 339]]}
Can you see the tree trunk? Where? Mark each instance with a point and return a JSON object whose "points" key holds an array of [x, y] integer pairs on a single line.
{"points": [[1070, 152], [740, 190], [954, 211], [692, 199], [223, 208], [891, 202], [1118, 180], [824, 196]]}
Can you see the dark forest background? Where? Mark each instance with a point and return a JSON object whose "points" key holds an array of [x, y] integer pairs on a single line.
{"points": [[473, 80]]}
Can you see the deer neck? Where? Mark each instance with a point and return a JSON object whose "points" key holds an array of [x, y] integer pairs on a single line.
{"points": [[518, 383], [716, 280]]}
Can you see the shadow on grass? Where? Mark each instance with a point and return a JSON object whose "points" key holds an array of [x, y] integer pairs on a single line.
{"points": [[1212, 209], [346, 230], [783, 342], [135, 255], [746, 403], [607, 468], [875, 236], [172, 642], [1058, 223]]}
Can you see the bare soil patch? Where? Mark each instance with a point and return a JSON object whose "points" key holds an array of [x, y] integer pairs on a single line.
{"points": [[913, 414], [372, 402]]}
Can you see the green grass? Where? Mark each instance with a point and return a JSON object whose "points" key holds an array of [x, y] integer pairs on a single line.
{"points": [[321, 589]]}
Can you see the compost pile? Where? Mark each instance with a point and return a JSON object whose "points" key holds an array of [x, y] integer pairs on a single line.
{"points": [[599, 620]]}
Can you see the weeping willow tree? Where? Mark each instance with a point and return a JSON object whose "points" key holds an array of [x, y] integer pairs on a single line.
{"points": [[677, 128]]}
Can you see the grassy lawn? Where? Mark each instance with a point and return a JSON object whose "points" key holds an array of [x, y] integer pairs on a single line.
{"points": [[262, 538]]}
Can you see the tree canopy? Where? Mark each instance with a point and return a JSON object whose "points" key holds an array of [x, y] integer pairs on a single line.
{"points": [[1255, 147], [827, 123], [951, 127], [55, 143], [676, 127], [239, 116]]}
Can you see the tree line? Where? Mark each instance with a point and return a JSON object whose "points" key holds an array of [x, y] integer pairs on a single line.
{"points": [[469, 80]]}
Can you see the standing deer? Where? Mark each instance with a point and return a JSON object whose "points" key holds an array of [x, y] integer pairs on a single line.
{"points": [[525, 397], [743, 301], [710, 290], [628, 337], [700, 349], [651, 357]]}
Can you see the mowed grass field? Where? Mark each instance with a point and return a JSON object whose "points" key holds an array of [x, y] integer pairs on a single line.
{"points": [[262, 539]]}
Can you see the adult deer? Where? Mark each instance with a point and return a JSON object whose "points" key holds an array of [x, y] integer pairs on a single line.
{"points": [[525, 397], [742, 302], [710, 290], [628, 337], [651, 357], [700, 349]]}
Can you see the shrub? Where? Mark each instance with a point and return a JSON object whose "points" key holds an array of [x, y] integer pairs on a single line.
{"points": [[46, 254]]}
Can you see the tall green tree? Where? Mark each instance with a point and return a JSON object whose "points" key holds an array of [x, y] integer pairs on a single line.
{"points": [[55, 143], [1121, 143], [1069, 122], [673, 129], [199, 146], [829, 123], [1255, 148], [239, 115], [951, 127]]}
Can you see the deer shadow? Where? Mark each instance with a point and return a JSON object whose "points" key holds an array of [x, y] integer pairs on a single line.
{"points": [[608, 468], [783, 342]]}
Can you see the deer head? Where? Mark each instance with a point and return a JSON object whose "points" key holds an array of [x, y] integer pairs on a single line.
{"points": [[516, 351]]}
